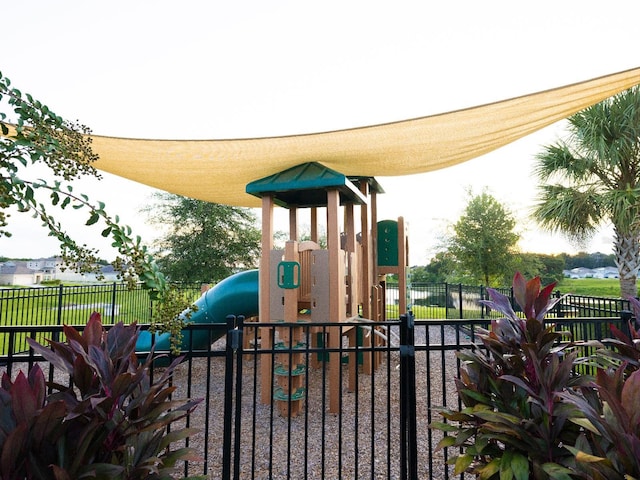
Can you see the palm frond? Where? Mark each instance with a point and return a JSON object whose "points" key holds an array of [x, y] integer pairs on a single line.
{"points": [[573, 212]]}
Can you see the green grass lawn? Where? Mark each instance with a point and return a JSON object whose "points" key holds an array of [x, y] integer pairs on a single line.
{"points": [[591, 287]]}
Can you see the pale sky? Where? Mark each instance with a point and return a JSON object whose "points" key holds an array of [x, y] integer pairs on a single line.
{"points": [[215, 70]]}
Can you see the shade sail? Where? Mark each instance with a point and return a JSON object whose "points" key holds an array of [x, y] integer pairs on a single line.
{"points": [[219, 170]]}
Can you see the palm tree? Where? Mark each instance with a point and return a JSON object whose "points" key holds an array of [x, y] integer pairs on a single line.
{"points": [[593, 177]]}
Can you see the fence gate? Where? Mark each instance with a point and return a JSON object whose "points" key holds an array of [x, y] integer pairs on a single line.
{"points": [[372, 436]]}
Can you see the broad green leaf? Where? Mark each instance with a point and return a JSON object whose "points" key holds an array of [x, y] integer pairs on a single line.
{"points": [[585, 423], [556, 471], [505, 465], [588, 458], [462, 463], [93, 219], [489, 469], [447, 441], [520, 466]]}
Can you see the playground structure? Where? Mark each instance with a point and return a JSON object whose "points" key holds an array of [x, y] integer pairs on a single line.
{"points": [[341, 282], [304, 283]]}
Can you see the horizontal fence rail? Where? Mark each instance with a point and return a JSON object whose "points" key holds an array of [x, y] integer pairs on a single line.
{"points": [[391, 379]]}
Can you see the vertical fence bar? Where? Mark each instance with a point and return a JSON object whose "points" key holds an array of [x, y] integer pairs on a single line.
{"points": [[238, 342], [56, 335], [228, 399], [408, 426], [113, 304]]}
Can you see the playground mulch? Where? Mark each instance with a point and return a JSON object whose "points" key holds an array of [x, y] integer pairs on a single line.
{"points": [[316, 444]]}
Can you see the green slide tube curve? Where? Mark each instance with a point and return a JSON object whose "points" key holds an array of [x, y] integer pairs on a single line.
{"points": [[235, 295]]}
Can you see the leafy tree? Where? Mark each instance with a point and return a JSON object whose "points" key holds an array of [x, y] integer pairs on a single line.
{"points": [[593, 177], [483, 243], [548, 267], [34, 135], [589, 260], [438, 270], [552, 268], [206, 242]]}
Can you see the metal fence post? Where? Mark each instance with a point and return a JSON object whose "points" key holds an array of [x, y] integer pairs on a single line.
{"points": [[446, 299], [113, 304], [56, 335], [237, 346], [408, 426], [232, 346]]}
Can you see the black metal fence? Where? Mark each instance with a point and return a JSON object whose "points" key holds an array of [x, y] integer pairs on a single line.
{"points": [[458, 301], [72, 305], [390, 379]]}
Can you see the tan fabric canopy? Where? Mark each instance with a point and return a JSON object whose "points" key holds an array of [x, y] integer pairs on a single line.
{"points": [[218, 170]]}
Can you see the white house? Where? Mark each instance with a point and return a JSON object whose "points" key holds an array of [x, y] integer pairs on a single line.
{"points": [[600, 272], [36, 271]]}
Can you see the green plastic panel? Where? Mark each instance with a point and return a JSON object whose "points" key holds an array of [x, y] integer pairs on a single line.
{"points": [[388, 243], [288, 275]]}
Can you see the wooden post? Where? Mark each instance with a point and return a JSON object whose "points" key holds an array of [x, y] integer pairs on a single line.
{"points": [[314, 224], [402, 267], [293, 224], [287, 376], [365, 268], [266, 334], [366, 276], [350, 248], [335, 298]]}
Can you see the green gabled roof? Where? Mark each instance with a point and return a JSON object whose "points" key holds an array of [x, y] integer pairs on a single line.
{"points": [[306, 185]]}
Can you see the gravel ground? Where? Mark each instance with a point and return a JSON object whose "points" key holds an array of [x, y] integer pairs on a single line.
{"points": [[367, 430]]}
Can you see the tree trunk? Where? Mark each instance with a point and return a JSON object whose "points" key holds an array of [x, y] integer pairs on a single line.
{"points": [[627, 253]]}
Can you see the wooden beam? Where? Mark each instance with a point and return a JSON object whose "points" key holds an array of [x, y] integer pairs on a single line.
{"points": [[335, 297], [266, 334], [293, 224], [314, 224]]}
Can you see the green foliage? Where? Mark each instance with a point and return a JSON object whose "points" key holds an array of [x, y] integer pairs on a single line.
{"points": [[592, 178], [36, 135], [548, 267], [609, 448], [483, 243], [588, 260], [528, 414], [109, 422], [438, 270], [165, 319], [514, 423], [206, 242]]}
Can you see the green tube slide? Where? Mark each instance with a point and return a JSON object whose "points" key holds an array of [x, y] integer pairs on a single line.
{"points": [[235, 295]]}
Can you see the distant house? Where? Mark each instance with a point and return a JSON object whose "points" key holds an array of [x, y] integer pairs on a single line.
{"points": [[36, 271], [601, 272], [18, 273]]}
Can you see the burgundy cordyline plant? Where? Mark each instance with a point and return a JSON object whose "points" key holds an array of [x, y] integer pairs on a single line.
{"points": [[515, 423], [109, 421]]}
